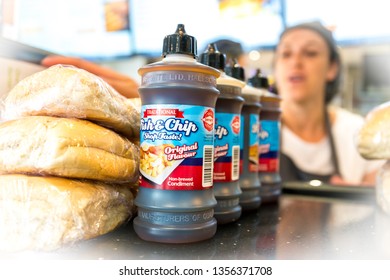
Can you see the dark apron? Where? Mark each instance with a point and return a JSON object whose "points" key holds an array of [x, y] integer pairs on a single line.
{"points": [[290, 172]]}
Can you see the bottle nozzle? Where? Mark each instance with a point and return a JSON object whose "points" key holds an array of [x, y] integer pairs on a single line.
{"points": [[180, 29], [235, 70], [259, 80], [179, 43], [212, 57], [212, 48]]}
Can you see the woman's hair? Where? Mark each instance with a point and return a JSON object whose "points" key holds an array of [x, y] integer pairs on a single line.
{"points": [[332, 87]]}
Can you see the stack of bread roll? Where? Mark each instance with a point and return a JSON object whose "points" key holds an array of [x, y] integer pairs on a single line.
{"points": [[374, 143], [69, 159]]}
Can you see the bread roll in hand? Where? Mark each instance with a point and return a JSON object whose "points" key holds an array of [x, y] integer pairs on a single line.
{"points": [[373, 140]]}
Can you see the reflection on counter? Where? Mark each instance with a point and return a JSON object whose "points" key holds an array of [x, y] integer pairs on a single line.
{"points": [[297, 227]]}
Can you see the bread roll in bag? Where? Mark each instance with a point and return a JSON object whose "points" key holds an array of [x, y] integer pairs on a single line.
{"points": [[373, 140], [383, 188], [68, 148], [45, 213], [67, 91]]}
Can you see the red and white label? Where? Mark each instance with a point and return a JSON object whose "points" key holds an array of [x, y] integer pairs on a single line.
{"points": [[236, 125], [208, 120]]}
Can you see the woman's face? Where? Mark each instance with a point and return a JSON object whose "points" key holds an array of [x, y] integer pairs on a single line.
{"points": [[302, 66]]}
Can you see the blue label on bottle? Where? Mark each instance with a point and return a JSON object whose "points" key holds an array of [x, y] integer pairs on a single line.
{"points": [[269, 142], [177, 147], [242, 123], [253, 148], [227, 147]]}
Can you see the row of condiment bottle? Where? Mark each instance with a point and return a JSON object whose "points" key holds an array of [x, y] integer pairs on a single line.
{"points": [[200, 144]]}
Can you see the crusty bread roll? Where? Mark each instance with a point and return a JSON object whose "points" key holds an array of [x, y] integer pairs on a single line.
{"points": [[44, 213], [67, 91], [374, 137], [383, 188], [67, 148]]}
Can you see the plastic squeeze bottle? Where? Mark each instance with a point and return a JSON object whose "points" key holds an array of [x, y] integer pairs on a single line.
{"points": [[249, 141], [269, 140], [175, 199], [227, 190]]}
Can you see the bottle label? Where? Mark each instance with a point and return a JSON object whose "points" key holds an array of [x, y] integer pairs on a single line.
{"points": [[253, 154], [253, 143], [269, 142], [242, 144], [177, 147], [227, 147]]}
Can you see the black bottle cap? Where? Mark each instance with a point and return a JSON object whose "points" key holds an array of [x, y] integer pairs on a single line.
{"points": [[213, 58], [235, 70], [179, 43], [258, 80]]}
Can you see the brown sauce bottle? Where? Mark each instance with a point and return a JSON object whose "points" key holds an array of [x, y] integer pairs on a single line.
{"points": [[175, 199]]}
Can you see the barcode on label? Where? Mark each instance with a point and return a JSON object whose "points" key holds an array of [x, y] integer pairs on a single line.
{"points": [[208, 166], [236, 163]]}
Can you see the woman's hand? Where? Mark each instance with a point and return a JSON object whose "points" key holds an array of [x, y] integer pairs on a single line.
{"points": [[368, 180], [121, 83]]}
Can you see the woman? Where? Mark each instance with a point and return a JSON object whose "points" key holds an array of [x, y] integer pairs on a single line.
{"points": [[317, 139]]}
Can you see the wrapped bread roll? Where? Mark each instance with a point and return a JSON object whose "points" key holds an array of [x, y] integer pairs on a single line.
{"points": [[374, 137], [44, 213], [374, 143], [383, 188], [68, 148], [67, 91]]}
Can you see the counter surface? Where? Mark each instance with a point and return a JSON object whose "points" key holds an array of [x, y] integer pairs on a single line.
{"points": [[297, 227]]}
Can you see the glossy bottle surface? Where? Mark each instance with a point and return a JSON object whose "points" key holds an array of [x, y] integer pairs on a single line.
{"points": [[249, 172], [269, 148], [227, 190], [175, 199]]}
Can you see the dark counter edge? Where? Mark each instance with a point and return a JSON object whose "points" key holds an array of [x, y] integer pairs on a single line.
{"points": [[331, 191]]}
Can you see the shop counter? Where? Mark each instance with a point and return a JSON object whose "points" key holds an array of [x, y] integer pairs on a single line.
{"points": [[299, 226]]}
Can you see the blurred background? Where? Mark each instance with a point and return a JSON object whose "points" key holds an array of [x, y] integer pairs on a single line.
{"points": [[127, 34]]}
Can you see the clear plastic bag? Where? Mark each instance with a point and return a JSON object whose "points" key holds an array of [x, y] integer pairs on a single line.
{"points": [[383, 188], [45, 213], [68, 169], [71, 92], [373, 140], [67, 147]]}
